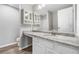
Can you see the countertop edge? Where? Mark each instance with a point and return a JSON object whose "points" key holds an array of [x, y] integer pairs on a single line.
{"points": [[61, 41]]}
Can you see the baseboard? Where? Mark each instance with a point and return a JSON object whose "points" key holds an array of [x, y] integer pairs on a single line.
{"points": [[25, 47], [6, 45]]}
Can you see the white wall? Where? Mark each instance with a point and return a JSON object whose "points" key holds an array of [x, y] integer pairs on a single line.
{"points": [[50, 20], [44, 23], [14, 5], [55, 20], [9, 24]]}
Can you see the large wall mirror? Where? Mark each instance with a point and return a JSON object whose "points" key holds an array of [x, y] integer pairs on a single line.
{"points": [[56, 17]]}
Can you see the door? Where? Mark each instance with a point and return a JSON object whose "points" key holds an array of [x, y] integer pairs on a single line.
{"points": [[65, 20]]}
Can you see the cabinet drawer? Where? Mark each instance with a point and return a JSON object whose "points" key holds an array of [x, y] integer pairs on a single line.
{"points": [[35, 49], [35, 40], [50, 51], [41, 50], [38, 49], [65, 49], [47, 43]]}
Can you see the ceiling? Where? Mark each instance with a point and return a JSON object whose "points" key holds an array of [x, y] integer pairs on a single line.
{"points": [[48, 7], [14, 5], [52, 7], [22, 5]]}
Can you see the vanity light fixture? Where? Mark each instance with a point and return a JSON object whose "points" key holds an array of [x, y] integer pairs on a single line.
{"points": [[40, 6]]}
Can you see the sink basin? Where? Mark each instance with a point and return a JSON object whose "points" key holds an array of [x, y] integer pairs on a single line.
{"points": [[47, 34], [66, 38]]}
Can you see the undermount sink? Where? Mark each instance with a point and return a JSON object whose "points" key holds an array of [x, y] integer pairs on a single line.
{"points": [[47, 34]]}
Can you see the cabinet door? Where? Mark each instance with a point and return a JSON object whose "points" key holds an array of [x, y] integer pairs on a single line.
{"points": [[41, 49], [47, 43], [37, 48], [36, 18], [50, 51], [47, 46], [30, 17], [35, 45], [27, 17], [65, 49]]}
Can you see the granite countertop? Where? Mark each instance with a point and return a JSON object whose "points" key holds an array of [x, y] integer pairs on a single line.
{"points": [[74, 41]]}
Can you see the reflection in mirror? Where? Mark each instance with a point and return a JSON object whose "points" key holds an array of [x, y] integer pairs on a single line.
{"points": [[65, 20], [56, 17]]}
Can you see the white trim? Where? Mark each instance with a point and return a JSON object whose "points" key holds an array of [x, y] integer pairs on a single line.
{"points": [[75, 17], [8, 44], [24, 47]]}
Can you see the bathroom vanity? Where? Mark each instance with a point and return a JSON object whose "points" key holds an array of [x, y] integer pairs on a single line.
{"points": [[62, 19], [45, 43]]}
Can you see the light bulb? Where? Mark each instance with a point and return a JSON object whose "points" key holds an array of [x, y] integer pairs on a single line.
{"points": [[41, 6]]}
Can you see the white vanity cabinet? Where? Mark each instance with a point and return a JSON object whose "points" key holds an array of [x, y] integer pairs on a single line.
{"points": [[42, 46], [46, 46], [61, 48], [37, 48]]}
